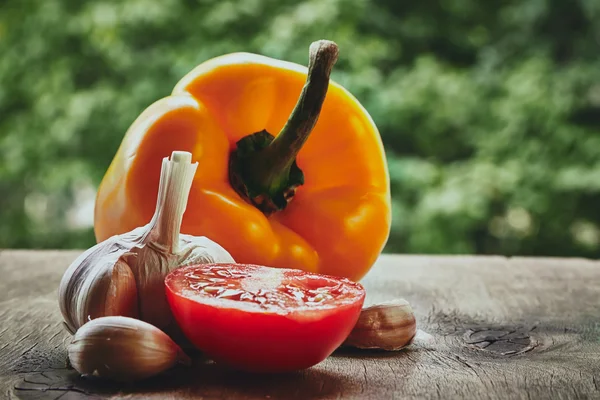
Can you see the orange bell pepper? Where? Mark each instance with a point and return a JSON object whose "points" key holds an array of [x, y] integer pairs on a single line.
{"points": [[319, 203]]}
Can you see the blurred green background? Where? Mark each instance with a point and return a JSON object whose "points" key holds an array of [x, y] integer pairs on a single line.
{"points": [[489, 111]]}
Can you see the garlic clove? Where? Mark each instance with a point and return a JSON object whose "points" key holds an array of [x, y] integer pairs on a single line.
{"points": [[121, 297], [88, 291], [123, 349], [387, 326]]}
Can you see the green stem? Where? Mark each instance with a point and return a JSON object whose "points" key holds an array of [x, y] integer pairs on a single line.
{"points": [[263, 169], [285, 147]]}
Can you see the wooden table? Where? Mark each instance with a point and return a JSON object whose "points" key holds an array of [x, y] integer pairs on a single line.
{"points": [[493, 328]]}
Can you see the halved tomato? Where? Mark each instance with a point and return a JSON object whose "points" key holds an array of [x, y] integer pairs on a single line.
{"points": [[263, 319]]}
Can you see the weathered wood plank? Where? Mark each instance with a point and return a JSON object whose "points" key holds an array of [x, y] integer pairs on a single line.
{"points": [[544, 312]]}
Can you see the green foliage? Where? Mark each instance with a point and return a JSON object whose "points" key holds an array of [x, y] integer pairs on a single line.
{"points": [[490, 111]]}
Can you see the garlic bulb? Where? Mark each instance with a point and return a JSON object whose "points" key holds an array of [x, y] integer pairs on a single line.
{"points": [[124, 349], [124, 275], [387, 326]]}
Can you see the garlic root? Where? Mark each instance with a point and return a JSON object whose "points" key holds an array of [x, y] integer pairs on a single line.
{"points": [[387, 326], [124, 275], [123, 349]]}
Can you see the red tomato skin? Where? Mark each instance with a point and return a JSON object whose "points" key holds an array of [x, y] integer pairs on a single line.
{"points": [[263, 342]]}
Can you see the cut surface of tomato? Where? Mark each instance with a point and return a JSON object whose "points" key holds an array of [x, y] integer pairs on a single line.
{"points": [[263, 319]]}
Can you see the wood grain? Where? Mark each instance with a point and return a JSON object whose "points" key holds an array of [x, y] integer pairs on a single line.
{"points": [[499, 328]]}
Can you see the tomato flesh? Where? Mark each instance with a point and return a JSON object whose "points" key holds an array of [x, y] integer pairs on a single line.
{"points": [[263, 319]]}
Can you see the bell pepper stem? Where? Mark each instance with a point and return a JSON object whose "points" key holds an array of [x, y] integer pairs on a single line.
{"points": [[263, 169], [285, 147]]}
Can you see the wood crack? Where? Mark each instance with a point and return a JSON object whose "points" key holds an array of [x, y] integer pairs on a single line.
{"points": [[28, 350], [50, 389], [22, 339], [55, 335]]}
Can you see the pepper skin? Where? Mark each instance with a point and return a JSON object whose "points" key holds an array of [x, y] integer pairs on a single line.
{"points": [[339, 219]]}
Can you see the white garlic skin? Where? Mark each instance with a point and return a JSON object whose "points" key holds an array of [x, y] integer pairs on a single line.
{"points": [[123, 349], [387, 326], [201, 250], [98, 283]]}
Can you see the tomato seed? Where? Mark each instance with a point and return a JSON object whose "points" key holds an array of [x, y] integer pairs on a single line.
{"points": [[224, 273], [198, 285], [299, 295], [230, 293], [247, 296]]}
